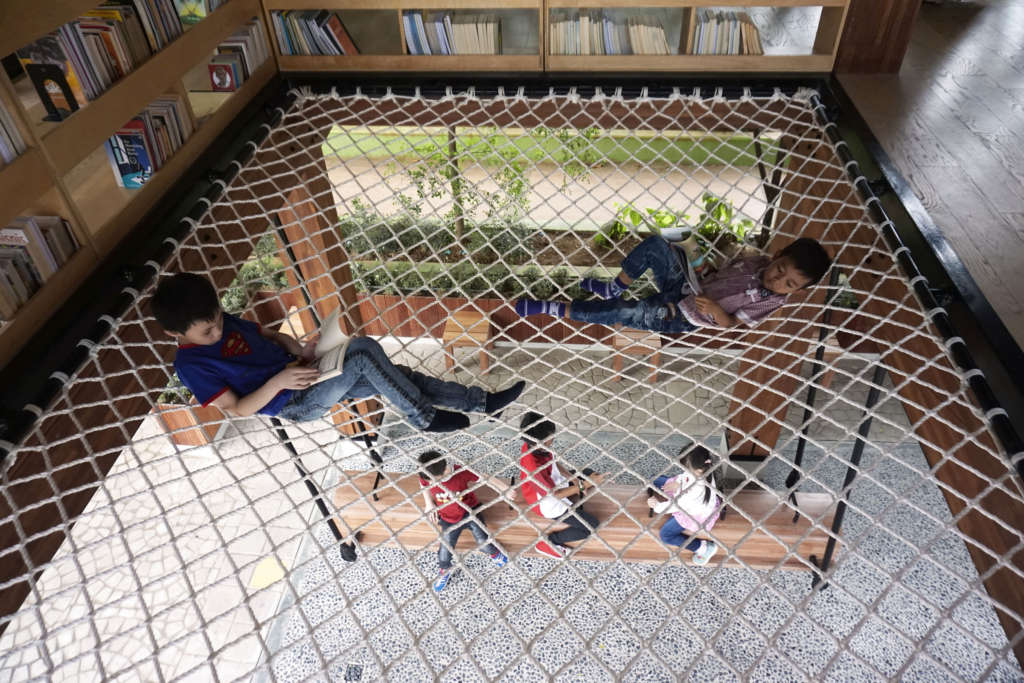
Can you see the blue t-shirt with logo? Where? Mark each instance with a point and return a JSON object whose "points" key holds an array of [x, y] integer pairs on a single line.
{"points": [[242, 361]]}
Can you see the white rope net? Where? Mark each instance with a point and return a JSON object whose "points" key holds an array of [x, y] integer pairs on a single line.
{"points": [[176, 562]]}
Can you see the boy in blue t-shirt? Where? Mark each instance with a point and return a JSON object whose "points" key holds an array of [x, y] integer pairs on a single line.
{"points": [[244, 369]]}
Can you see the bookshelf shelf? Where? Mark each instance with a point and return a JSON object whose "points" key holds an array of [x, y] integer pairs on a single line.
{"points": [[26, 20], [111, 211], [34, 312], [597, 4], [749, 63], [272, 5], [412, 63], [74, 139], [21, 182]]}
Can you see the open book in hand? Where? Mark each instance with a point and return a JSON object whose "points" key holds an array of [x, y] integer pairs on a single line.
{"points": [[330, 349]]}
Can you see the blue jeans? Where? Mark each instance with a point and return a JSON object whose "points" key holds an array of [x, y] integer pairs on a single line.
{"points": [[671, 531], [653, 313], [369, 372], [450, 532]]}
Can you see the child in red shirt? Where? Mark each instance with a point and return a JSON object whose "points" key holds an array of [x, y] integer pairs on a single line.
{"points": [[449, 503], [546, 488]]}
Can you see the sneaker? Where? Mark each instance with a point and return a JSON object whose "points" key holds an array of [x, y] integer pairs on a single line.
{"points": [[704, 553], [551, 549], [442, 580], [499, 558]]}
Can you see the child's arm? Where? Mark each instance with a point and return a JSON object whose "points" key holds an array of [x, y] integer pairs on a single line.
{"points": [[295, 377], [710, 308], [429, 507], [290, 344]]}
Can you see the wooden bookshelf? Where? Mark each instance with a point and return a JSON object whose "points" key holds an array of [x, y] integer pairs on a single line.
{"points": [[397, 57], [65, 171], [76, 137]]}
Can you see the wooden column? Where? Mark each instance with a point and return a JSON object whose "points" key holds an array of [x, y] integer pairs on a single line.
{"points": [[876, 35]]}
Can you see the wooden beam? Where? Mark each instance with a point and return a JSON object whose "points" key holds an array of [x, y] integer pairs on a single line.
{"points": [[876, 35]]}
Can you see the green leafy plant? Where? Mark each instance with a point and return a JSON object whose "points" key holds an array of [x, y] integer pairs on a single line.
{"points": [[718, 218], [263, 272]]}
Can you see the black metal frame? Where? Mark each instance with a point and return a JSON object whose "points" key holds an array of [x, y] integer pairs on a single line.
{"points": [[30, 380]]}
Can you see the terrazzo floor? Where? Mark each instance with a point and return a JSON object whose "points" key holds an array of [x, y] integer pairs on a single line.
{"points": [[903, 602]]}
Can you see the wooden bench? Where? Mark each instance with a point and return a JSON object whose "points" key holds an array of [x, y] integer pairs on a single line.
{"points": [[397, 517], [468, 328], [636, 343]]}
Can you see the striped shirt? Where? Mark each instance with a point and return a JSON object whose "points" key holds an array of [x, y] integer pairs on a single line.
{"points": [[738, 290]]}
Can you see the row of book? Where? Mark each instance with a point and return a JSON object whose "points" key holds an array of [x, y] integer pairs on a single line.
{"points": [[441, 33], [312, 32], [11, 142], [141, 147], [100, 47], [593, 32], [238, 57], [32, 250], [725, 33]]}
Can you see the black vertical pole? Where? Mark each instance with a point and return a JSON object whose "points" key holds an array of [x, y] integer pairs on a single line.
{"points": [[851, 473], [348, 550], [812, 391], [364, 430]]}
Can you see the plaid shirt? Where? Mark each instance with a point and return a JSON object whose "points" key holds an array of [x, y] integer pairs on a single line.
{"points": [[737, 289]]}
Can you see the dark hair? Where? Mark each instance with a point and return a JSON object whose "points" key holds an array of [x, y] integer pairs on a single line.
{"points": [[535, 428], [433, 464], [809, 257], [182, 300], [697, 457]]}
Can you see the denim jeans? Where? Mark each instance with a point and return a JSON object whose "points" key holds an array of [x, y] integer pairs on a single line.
{"points": [[578, 520], [368, 371], [450, 532], [672, 531], [653, 313]]}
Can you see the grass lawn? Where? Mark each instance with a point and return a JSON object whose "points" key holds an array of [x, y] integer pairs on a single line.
{"points": [[616, 147]]}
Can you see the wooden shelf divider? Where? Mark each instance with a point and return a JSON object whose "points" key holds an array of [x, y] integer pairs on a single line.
{"points": [[21, 181]]}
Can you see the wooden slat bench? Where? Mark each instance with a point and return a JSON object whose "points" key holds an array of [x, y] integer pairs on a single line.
{"points": [[397, 517]]}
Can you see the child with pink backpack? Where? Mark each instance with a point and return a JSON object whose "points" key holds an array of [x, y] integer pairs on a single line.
{"points": [[693, 501]]}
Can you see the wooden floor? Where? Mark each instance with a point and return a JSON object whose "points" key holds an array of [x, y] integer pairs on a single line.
{"points": [[953, 122]]}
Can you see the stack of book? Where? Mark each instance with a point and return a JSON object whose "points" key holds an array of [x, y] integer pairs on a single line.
{"points": [[141, 146], [441, 33], [11, 142], [312, 32], [191, 12], [593, 32], [238, 57], [725, 33], [32, 250], [102, 46]]}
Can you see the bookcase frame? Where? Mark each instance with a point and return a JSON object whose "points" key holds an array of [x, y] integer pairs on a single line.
{"points": [[65, 170], [821, 60]]}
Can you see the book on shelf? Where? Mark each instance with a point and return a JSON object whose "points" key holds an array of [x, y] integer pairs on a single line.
{"points": [[32, 250], [191, 12], [226, 72], [142, 146], [724, 32], [445, 33], [312, 32], [596, 32], [12, 144], [233, 62]]}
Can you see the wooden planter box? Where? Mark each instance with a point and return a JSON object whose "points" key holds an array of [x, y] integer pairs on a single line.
{"points": [[191, 425]]}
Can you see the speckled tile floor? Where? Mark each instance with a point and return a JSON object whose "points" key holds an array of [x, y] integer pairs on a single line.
{"points": [[540, 619]]}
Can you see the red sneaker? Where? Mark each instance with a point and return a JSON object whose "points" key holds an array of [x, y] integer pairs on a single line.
{"points": [[550, 550]]}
